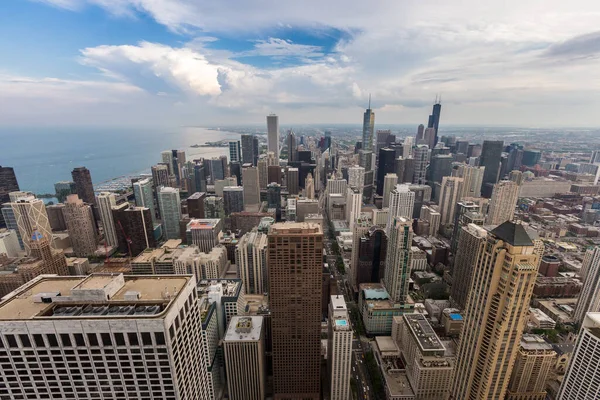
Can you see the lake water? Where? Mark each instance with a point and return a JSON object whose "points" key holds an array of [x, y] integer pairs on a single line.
{"points": [[42, 157]]}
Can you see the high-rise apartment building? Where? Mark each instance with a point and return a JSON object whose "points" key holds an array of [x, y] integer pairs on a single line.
{"points": [[144, 195], [106, 201], [235, 151], [251, 261], [535, 360], [83, 184], [473, 179], [339, 349], [244, 348], [214, 207], [503, 202], [470, 246], [449, 196], [195, 205], [581, 380], [109, 336], [295, 260], [134, 229], [361, 226], [30, 216], [589, 298], [397, 270], [273, 134], [233, 199], [64, 188], [80, 225], [421, 160], [170, 211], [353, 205], [356, 176], [204, 233], [466, 212], [491, 152], [431, 215], [251, 187], [167, 159], [389, 183], [496, 313], [401, 204]]}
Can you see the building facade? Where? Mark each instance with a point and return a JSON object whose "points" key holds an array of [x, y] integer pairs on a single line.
{"points": [[80, 225], [339, 349]]}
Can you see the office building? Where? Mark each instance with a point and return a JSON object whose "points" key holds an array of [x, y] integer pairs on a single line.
{"points": [[204, 233], [534, 361], [371, 252], [356, 176], [421, 160], [434, 120], [292, 178], [589, 298], [368, 129], [195, 205], [157, 339], [292, 148], [397, 270], [144, 195], [83, 185], [295, 310], [531, 157], [233, 199], [309, 187], [431, 215], [503, 202], [134, 228], [401, 204], [405, 169], [339, 349], [361, 226], [466, 212], [336, 185], [106, 201], [491, 153], [440, 166], [161, 176], [469, 249], [251, 187], [428, 369], [170, 211], [250, 151], [495, 314], [386, 165], [245, 361], [8, 183], [221, 184], [80, 225], [168, 160], [214, 207], [582, 376], [449, 196], [251, 261], [273, 134], [62, 189], [389, 183], [56, 218], [217, 170], [29, 214], [473, 179], [210, 264], [9, 243], [353, 205], [235, 151]]}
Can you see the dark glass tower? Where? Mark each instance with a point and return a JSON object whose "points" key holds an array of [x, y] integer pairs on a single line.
{"points": [[8, 183], [491, 152], [434, 119], [83, 184], [387, 165]]}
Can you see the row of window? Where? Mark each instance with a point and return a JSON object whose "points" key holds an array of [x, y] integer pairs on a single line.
{"points": [[79, 340]]}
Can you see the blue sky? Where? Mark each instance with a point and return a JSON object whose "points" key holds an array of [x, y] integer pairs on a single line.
{"points": [[182, 62]]}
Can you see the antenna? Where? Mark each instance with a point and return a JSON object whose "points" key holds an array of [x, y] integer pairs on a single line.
{"points": [[369, 101]]}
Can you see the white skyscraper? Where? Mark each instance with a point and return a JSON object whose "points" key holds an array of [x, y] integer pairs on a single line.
{"points": [[106, 201], [398, 259], [401, 204], [589, 298], [251, 261], [449, 196], [407, 146], [353, 205], [144, 195], [356, 177], [583, 374], [170, 211], [503, 202], [473, 179], [389, 183], [339, 349], [30, 215], [273, 134]]}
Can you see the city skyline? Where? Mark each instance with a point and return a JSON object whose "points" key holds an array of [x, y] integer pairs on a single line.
{"points": [[199, 63]]}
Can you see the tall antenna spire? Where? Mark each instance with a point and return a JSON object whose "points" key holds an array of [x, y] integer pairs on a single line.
{"points": [[369, 101]]}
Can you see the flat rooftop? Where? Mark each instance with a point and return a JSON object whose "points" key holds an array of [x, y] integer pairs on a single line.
{"points": [[534, 342], [423, 332], [24, 303], [244, 329], [204, 223], [398, 385]]}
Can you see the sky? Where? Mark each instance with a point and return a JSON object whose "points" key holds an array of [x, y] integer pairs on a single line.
{"points": [[150, 63]]}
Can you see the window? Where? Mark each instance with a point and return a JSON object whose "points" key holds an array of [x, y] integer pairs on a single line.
{"points": [[120, 339], [79, 339], [92, 339], [11, 340], [106, 340], [25, 340], [146, 339], [52, 341], [133, 339], [65, 339]]}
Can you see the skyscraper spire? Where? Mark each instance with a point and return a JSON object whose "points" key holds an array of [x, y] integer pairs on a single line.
{"points": [[369, 101]]}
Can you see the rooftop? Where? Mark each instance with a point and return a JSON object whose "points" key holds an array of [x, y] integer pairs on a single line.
{"points": [[534, 342], [512, 233], [423, 332], [204, 223], [244, 329]]}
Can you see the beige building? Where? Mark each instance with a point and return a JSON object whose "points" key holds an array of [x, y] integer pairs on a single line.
{"points": [[31, 216], [106, 201], [245, 362], [533, 363], [295, 263], [401, 204], [251, 188], [389, 183], [309, 187], [339, 349], [251, 262], [473, 179], [503, 202], [361, 226], [428, 370], [429, 213], [495, 314], [398, 261], [470, 246], [79, 218], [450, 193], [211, 265]]}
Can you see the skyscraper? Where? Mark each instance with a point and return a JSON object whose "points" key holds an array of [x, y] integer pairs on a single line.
{"points": [[389, 183], [294, 260], [167, 159], [144, 195], [249, 149], [106, 201], [251, 187], [63, 189], [421, 160], [356, 176], [449, 196], [291, 146], [30, 216], [339, 349], [466, 212], [235, 151], [401, 204], [293, 183], [80, 225], [387, 165], [245, 361], [160, 176], [470, 246], [8, 183], [251, 261], [273, 134], [134, 229], [353, 205], [503, 202], [204, 233], [533, 363], [473, 179], [589, 298], [371, 251], [382, 139], [170, 211], [581, 380], [491, 153], [83, 184], [309, 187], [368, 129], [233, 199], [216, 169], [195, 204], [495, 314], [397, 269], [434, 119]]}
